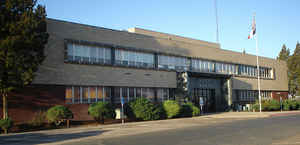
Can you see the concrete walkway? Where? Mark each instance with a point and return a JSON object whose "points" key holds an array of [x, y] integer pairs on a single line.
{"points": [[61, 136], [250, 114]]}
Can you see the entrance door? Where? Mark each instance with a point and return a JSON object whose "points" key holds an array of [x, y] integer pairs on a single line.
{"points": [[208, 98], [211, 101]]}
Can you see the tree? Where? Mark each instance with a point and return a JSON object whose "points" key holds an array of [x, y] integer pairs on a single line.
{"points": [[294, 71], [284, 53], [181, 90], [23, 35]]}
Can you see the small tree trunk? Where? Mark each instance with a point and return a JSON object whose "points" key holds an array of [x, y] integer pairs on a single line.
{"points": [[5, 114], [5, 131]]}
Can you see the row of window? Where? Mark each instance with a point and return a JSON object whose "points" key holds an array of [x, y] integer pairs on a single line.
{"points": [[88, 54], [83, 94], [101, 55], [252, 95], [132, 58], [173, 62], [252, 71], [203, 65]]}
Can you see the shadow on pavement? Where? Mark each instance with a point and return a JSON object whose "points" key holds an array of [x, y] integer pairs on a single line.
{"points": [[40, 138]]}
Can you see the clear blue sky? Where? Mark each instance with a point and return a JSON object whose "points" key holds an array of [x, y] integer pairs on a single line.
{"points": [[278, 21]]}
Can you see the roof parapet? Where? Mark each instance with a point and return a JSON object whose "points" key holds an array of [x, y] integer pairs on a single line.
{"points": [[172, 37]]}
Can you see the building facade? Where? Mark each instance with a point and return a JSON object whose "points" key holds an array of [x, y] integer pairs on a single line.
{"points": [[86, 64]]}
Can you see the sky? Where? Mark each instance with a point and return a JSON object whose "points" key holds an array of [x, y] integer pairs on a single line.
{"points": [[277, 21]]}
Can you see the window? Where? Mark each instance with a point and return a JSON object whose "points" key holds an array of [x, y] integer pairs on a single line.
{"points": [[88, 54], [173, 62], [76, 94], [85, 95], [246, 70], [93, 54], [92, 94], [132, 58], [247, 95], [117, 95], [162, 94], [69, 96], [125, 94], [107, 94], [138, 92]]}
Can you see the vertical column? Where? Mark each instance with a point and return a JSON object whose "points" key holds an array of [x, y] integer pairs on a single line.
{"points": [[155, 61], [229, 84], [134, 93], [128, 99], [89, 95], [103, 93], [113, 56], [80, 91], [120, 93], [96, 94], [72, 94]]}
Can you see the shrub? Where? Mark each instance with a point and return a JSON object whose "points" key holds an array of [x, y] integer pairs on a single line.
{"points": [[267, 105], [58, 114], [172, 108], [143, 109], [286, 105], [6, 124], [274, 105], [189, 110], [291, 105], [101, 110], [39, 119]]}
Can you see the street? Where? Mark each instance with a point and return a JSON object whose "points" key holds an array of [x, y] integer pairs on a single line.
{"points": [[281, 129], [263, 131]]}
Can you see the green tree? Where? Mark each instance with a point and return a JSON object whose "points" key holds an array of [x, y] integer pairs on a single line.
{"points": [[23, 35], [284, 53], [294, 71]]}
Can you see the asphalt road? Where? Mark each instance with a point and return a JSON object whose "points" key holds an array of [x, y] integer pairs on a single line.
{"points": [[262, 131]]}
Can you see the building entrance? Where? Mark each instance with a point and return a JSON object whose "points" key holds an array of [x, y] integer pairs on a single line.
{"points": [[209, 100], [213, 89]]}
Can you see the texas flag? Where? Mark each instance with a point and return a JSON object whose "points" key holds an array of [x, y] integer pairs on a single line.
{"points": [[253, 30]]}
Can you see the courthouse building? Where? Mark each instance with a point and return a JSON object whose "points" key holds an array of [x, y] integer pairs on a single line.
{"points": [[85, 64]]}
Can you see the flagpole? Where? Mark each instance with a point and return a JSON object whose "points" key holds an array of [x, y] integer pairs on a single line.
{"points": [[258, 73]]}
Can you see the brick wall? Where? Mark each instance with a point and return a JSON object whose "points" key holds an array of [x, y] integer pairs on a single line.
{"points": [[24, 103], [276, 95]]}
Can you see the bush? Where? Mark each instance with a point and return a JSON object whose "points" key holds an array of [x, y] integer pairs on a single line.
{"points": [[189, 110], [274, 105], [101, 110], [6, 124], [286, 105], [267, 105], [58, 114], [291, 105], [143, 109], [172, 108]]}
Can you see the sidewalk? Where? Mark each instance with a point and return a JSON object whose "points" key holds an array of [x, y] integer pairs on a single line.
{"points": [[250, 114], [60, 136]]}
